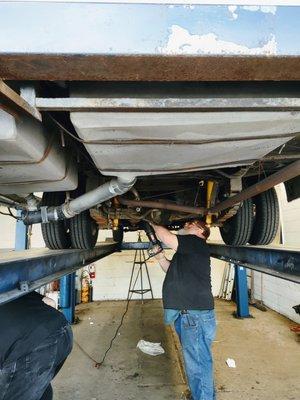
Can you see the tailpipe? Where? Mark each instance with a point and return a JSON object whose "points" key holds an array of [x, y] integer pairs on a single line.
{"points": [[115, 187]]}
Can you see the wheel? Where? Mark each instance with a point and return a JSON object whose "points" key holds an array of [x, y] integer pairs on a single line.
{"points": [[83, 231], [56, 234], [266, 219], [118, 234], [236, 231]]}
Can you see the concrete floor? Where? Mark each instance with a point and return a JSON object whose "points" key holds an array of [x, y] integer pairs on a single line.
{"points": [[265, 351]]}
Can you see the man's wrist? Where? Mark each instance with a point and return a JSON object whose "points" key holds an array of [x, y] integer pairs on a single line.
{"points": [[160, 256]]}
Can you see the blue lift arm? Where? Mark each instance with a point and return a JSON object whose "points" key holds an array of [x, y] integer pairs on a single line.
{"points": [[24, 271], [278, 261]]}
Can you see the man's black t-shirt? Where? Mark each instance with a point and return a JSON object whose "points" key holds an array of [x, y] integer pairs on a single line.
{"points": [[24, 324], [187, 285]]}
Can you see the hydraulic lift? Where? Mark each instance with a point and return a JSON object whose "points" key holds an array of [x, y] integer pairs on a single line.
{"points": [[22, 271]]}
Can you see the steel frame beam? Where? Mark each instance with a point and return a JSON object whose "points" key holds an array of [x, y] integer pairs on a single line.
{"points": [[24, 271], [278, 261], [168, 104]]}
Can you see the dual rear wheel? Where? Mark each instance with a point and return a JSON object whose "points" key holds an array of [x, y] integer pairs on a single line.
{"points": [[256, 221], [79, 232]]}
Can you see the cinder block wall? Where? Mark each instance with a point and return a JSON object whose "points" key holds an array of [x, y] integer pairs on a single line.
{"points": [[278, 294]]}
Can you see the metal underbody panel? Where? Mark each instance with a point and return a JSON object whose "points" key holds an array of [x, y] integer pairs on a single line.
{"points": [[145, 143], [166, 42]]}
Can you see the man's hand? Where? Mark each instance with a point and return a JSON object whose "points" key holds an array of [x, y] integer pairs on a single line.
{"points": [[155, 250], [163, 261]]}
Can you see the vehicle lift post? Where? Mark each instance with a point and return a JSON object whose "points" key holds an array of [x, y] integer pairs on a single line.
{"points": [[67, 296], [241, 288]]}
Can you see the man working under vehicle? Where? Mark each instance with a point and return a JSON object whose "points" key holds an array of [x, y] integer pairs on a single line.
{"points": [[35, 340], [188, 302]]}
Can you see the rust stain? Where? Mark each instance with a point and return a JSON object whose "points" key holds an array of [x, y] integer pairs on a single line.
{"points": [[148, 68]]}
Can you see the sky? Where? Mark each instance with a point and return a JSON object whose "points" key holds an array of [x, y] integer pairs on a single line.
{"points": [[148, 29]]}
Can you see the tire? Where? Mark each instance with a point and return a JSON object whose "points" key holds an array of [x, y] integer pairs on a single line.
{"points": [[118, 235], [55, 234], [83, 231], [266, 220], [237, 230]]}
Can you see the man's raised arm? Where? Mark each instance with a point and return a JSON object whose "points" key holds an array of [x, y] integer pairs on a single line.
{"points": [[165, 236]]}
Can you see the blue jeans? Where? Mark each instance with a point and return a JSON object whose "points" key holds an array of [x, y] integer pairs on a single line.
{"points": [[196, 331], [29, 377]]}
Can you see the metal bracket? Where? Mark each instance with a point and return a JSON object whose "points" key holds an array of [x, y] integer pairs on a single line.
{"points": [[44, 215]]}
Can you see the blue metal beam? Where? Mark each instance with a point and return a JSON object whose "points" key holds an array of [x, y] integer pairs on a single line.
{"points": [[277, 261], [24, 271]]}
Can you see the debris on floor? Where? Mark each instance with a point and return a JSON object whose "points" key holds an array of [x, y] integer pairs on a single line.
{"points": [[231, 363], [264, 349], [153, 349], [296, 330]]}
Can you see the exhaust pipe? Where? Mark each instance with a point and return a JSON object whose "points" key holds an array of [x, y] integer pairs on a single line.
{"points": [[115, 187]]}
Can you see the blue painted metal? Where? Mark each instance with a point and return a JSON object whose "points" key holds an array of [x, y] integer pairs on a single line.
{"points": [[67, 296], [37, 267], [158, 29], [277, 261], [241, 292], [21, 234], [40, 266]]}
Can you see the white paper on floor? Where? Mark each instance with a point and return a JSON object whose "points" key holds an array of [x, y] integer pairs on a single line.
{"points": [[231, 363], [153, 349]]}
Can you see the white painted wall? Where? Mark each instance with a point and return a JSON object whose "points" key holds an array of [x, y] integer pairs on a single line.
{"points": [[278, 294], [7, 230]]}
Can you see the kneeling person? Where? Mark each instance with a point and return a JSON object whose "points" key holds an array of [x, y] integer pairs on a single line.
{"points": [[35, 340]]}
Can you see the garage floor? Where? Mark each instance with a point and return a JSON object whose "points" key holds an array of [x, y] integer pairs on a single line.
{"points": [[265, 351]]}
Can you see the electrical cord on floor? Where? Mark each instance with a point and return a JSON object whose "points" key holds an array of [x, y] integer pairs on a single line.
{"points": [[97, 364]]}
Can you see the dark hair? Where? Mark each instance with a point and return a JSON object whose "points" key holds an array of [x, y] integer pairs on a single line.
{"points": [[202, 225]]}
